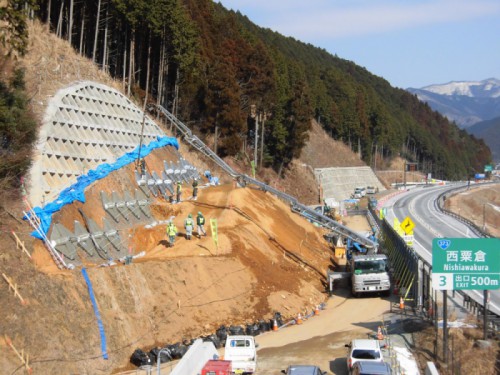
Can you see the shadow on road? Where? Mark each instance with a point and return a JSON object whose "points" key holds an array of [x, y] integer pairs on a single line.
{"points": [[339, 366]]}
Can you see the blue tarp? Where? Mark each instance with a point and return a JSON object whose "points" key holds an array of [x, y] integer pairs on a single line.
{"points": [[76, 192], [97, 314]]}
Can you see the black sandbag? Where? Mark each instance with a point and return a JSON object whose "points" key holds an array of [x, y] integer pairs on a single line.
{"points": [[256, 329], [214, 339], [140, 358], [279, 319], [174, 350], [264, 326], [222, 334], [166, 356], [252, 329], [236, 330]]}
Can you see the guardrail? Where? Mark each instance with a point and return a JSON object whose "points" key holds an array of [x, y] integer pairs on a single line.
{"points": [[412, 277], [472, 226]]}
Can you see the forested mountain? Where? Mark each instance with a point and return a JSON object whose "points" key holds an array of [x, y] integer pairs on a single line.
{"points": [[220, 73], [489, 131]]}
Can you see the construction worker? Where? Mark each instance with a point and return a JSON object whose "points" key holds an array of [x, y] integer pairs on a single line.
{"points": [[179, 191], [200, 222], [171, 233], [189, 225], [195, 189]]}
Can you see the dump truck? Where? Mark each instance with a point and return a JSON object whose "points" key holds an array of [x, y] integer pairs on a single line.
{"points": [[369, 273], [366, 271]]}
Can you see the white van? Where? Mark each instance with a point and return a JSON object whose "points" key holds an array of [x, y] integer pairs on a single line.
{"points": [[359, 192], [242, 352], [363, 350], [371, 190]]}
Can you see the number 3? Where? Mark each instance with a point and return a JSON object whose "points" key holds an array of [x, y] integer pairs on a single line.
{"points": [[442, 280]]}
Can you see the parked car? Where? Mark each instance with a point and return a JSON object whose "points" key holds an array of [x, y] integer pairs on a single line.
{"points": [[363, 350], [303, 370], [242, 352], [217, 367], [371, 368], [359, 192], [371, 190]]}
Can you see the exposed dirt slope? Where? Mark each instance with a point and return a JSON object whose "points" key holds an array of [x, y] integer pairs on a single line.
{"points": [[267, 260]]}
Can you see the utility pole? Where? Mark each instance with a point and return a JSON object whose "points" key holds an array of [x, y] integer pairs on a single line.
{"points": [[404, 175], [256, 140], [486, 299]]}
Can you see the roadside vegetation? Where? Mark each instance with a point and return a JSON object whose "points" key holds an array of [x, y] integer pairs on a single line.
{"points": [[18, 132]]}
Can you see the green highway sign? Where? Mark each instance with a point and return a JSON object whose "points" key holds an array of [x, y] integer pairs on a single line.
{"points": [[488, 168], [466, 263]]}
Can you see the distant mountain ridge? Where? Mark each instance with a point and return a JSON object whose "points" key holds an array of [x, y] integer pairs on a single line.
{"points": [[488, 88], [489, 131], [465, 102]]}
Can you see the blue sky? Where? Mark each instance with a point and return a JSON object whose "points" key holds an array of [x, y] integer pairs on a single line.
{"points": [[410, 43]]}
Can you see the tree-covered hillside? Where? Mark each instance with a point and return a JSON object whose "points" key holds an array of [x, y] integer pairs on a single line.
{"points": [[17, 125], [221, 74]]}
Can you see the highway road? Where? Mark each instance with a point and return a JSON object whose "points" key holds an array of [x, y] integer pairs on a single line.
{"points": [[420, 205]]}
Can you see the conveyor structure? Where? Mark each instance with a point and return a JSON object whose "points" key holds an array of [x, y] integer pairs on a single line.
{"points": [[244, 180]]}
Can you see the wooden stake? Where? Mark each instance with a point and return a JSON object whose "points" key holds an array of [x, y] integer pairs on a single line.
{"points": [[24, 361], [14, 288], [20, 244]]}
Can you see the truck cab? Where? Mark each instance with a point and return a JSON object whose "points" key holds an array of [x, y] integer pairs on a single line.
{"points": [[369, 273], [242, 352]]}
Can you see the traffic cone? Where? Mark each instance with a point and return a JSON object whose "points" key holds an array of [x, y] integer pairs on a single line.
{"points": [[316, 310], [299, 318], [401, 303], [380, 335], [275, 325]]}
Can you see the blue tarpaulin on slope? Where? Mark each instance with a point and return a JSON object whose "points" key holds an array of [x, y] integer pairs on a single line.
{"points": [[97, 314], [76, 192]]}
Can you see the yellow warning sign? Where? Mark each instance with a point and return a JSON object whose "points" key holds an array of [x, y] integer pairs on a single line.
{"points": [[213, 227], [407, 225]]}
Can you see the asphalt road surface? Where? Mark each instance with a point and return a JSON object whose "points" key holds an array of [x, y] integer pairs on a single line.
{"points": [[320, 340], [419, 205]]}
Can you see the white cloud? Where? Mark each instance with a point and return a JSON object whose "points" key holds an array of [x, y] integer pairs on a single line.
{"points": [[319, 19]]}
